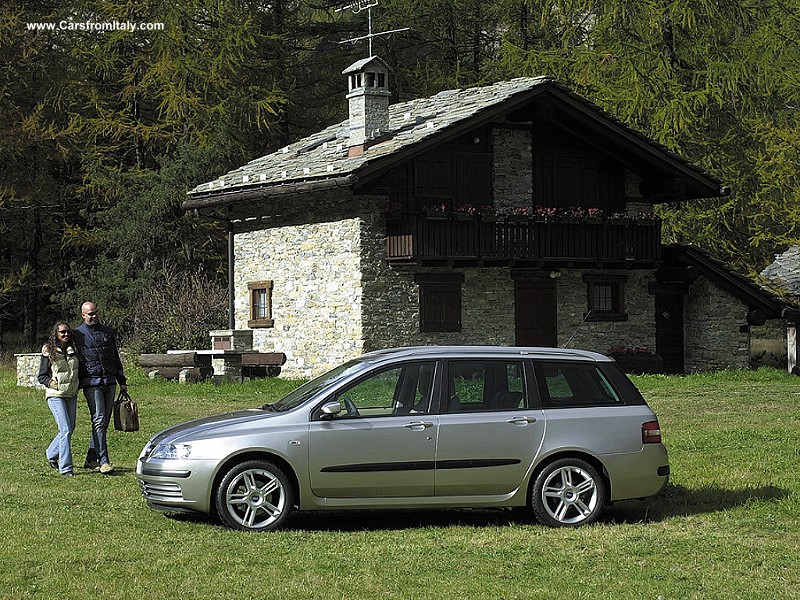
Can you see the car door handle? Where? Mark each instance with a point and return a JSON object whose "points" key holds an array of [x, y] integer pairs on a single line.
{"points": [[418, 425], [522, 420]]}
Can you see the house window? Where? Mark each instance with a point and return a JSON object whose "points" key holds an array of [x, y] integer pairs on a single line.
{"points": [[260, 304], [605, 297], [439, 302]]}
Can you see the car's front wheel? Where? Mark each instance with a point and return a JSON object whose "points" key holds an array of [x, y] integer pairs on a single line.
{"points": [[254, 496], [568, 492]]}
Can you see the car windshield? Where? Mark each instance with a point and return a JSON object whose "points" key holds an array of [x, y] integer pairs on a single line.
{"points": [[307, 390]]}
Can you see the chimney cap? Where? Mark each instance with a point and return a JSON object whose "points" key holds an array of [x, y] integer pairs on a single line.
{"points": [[360, 65]]}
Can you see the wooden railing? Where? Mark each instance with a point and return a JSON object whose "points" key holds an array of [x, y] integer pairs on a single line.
{"points": [[413, 238]]}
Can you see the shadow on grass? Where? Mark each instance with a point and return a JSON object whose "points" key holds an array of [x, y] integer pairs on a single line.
{"points": [[679, 501], [675, 501], [390, 519]]}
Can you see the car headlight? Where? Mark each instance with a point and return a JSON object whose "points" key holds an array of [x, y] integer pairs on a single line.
{"points": [[171, 451]]}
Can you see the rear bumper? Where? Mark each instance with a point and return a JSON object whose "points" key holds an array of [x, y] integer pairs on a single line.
{"points": [[640, 474]]}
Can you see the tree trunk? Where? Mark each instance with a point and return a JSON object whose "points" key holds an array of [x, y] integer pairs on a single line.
{"points": [[31, 296]]}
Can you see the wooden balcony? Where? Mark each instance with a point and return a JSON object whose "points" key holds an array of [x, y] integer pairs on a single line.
{"points": [[417, 239]]}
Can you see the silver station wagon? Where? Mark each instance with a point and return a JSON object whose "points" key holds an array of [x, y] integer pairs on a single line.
{"points": [[563, 432]]}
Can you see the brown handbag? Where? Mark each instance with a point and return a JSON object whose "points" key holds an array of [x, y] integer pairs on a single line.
{"points": [[126, 413]]}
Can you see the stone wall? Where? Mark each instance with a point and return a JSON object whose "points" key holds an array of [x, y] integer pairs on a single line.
{"points": [[391, 307], [599, 336], [712, 324], [28, 369], [391, 310], [313, 261], [513, 180]]}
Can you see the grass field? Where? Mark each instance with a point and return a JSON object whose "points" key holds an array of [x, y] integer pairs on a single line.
{"points": [[726, 527]]}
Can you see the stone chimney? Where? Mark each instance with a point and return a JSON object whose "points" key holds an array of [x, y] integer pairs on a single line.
{"points": [[368, 100]]}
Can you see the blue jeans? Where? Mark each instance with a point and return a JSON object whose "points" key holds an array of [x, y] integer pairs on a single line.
{"points": [[100, 400], [64, 410]]}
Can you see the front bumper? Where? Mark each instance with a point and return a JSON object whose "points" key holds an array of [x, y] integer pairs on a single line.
{"points": [[176, 485]]}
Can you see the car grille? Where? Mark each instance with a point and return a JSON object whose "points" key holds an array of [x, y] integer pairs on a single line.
{"points": [[161, 491]]}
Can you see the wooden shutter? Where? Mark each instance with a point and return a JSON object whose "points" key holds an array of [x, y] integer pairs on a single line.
{"points": [[439, 302]]}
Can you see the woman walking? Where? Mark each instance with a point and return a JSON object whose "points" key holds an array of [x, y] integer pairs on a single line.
{"points": [[58, 372]]}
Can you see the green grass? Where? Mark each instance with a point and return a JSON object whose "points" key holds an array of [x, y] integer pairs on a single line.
{"points": [[727, 526]]}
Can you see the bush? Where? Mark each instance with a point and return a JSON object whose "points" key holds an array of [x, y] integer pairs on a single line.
{"points": [[176, 313]]}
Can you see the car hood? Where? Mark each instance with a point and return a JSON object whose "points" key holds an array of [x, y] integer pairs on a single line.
{"points": [[207, 426]]}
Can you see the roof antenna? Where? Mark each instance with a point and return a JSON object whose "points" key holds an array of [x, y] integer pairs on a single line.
{"points": [[586, 316], [356, 7]]}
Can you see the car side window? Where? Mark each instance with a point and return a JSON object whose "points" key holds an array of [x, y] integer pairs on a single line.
{"points": [[396, 391], [574, 384], [479, 386]]}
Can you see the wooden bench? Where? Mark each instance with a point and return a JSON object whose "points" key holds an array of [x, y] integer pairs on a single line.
{"points": [[262, 364], [197, 366], [188, 365]]}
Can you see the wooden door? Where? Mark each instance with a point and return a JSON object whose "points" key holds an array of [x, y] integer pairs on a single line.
{"points": [[669, 331], [535, 315]]}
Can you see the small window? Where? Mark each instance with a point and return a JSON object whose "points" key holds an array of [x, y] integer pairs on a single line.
{"points": [[571, 385], [260, 304], [605, 297], [602, 297], [439, 302]]}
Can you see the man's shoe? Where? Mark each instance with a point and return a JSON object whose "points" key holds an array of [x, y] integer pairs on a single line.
{"points": [[106, 468], [90, 464], [53, 463], [68, 474]]}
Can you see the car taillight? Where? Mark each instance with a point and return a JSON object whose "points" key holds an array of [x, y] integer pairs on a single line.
{"points": [[651, 433]]}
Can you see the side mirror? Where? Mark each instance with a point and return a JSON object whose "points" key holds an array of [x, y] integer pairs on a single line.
{"points": [[330, 409]]}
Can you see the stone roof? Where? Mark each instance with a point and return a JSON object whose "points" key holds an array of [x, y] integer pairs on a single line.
{"points": [[746, 289], [413, 125], [785, 271]]}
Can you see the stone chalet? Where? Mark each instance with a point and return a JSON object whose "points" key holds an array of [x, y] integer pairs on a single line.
{"points": [[517, 213]]}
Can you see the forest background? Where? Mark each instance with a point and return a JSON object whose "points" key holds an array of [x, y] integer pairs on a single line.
{"points": [[103, 132]]}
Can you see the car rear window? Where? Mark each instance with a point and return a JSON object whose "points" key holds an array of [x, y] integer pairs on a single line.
{"points": [[574, 384]]}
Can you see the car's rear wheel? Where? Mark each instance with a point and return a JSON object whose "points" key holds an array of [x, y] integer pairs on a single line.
{"points": [[568, 492], [254, 496]]}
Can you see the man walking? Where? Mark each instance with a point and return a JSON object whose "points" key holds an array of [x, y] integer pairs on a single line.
{"points": [[99, 371]]}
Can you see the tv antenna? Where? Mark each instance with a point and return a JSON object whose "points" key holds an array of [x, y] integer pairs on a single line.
{"points": [[356, 7]]}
